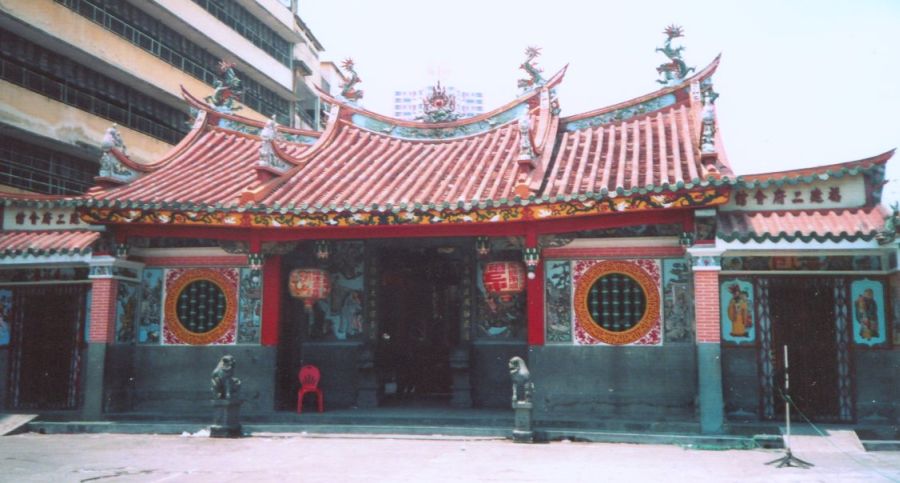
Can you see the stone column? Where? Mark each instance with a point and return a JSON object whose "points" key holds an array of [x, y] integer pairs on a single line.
{"points": [[706, 266]]}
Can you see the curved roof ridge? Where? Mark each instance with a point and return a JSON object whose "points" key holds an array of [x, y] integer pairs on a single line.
{"points": [[819, 170], [552, 82], [704, 73], [323, 142], [198, 104]]}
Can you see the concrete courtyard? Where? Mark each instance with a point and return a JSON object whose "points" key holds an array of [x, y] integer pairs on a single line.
{"points": [[308, 458]]}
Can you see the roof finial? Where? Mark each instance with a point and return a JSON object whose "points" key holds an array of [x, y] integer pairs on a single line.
{"points": [[110, 165], [675, 70], [439, 106], [348, 89], [267, 156], [228, 88], [530, 67]]}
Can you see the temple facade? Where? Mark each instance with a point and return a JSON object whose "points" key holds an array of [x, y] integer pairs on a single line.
{"points": [[615, 251]]}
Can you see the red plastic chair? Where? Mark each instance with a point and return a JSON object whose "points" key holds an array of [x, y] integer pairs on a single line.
{"points": [[309, 383]]}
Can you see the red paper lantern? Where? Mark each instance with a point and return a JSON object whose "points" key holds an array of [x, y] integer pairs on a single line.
{"points": [[310, 285], [504, 278]]}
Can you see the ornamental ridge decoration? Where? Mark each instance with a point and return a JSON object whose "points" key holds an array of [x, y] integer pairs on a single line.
{"points": [[110, 165], [439, 106]]}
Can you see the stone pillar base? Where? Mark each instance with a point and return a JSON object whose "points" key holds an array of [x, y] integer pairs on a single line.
{"points": [[522, 430], [227, 422]]}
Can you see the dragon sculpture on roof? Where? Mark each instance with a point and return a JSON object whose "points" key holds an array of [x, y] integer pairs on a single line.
{"points": [[348, 88], [675, 70], [530, 67], [227, 89]]}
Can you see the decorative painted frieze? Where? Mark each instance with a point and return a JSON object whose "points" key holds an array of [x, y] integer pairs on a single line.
{"points": [[623, 114], [503, 210], [843, 263], [449, 132]]}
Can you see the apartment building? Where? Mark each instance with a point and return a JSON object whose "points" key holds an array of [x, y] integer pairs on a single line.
{"points": [[71, 68]]}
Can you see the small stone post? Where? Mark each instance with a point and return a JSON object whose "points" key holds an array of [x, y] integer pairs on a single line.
{"points": [[227, 420], [522, 392]]}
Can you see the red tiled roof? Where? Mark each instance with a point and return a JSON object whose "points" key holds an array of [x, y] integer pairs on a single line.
{"points": [[14, 243], [648, 142], [364, 161], [214, 169], [657, 149], [837, 224], [820, 172], [365, 168]]}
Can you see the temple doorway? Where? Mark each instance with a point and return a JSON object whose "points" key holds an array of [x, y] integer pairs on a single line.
{"points": [[47, 335], [803, 318], [419, 299]]}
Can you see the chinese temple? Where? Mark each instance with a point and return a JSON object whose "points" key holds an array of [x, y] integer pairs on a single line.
{"points": [[614, 250]]}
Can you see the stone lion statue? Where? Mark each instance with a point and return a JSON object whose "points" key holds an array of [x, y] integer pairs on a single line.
{"points": [[521, 380], [224, 384]]}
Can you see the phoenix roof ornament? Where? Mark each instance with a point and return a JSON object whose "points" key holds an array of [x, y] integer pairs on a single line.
{"points": [[675, 70]]}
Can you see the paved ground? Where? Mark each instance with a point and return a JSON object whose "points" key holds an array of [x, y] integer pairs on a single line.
{"points": [[283, 458]]}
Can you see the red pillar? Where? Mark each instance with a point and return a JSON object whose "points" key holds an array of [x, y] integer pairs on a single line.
{"points": [[103, 310], [706, 303], [271, 309], [534, 296]]}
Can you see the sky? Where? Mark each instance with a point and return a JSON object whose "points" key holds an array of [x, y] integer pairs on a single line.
{"points": [[801, 83]]}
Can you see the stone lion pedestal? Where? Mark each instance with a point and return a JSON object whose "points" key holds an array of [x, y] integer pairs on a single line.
{"points": [[227, 421], [522, 428]]}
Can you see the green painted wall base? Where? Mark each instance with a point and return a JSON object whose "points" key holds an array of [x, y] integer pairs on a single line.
{"points": [[93, 382], [709, 379]]}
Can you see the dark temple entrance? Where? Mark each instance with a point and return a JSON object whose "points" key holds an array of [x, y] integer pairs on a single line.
{"points": [[47, 334], [419, 298], [803, 318]]}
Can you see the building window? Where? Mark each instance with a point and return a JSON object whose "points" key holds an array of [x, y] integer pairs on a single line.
{"points": [[617, 302], [42, 170], [60, 78], [151, 35], [249, 27], [201, 306]]}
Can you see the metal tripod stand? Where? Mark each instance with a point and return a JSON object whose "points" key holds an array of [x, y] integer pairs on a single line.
{"points": [[788, 459]]}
